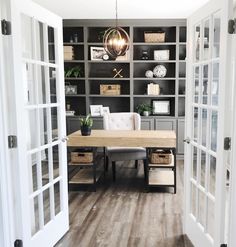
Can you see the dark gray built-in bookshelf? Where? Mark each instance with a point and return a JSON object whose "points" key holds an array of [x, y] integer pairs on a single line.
{"points": [[88, 33]]}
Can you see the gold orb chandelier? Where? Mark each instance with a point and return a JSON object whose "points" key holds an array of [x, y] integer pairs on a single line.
{"points": [[116, 40]]}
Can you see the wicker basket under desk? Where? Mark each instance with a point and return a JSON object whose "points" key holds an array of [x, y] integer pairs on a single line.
{"points": [[81, 157], [161, 157]]}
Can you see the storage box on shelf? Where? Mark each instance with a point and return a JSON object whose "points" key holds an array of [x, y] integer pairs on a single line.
{"points": [[154, 37], [108, 89], [81, 157], [161, 157]]}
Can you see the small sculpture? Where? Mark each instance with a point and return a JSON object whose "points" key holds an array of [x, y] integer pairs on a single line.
{"points": [[117, 73], [149, 74], [144, 55]]}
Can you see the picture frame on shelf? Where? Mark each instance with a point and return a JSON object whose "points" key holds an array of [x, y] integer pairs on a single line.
{"points": [[161, 107], [70, 113], [161, 55], [70, 89], [96, 110], [105, 110], [97, 53]]}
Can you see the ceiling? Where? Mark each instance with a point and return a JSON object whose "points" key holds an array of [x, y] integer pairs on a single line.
{"points": [[127, 9]]}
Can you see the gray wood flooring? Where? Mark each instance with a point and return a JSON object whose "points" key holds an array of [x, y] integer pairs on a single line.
{"points": [[121, 214]]}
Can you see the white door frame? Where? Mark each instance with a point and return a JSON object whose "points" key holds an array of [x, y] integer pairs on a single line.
{"points": [[232, 211], [7, 237]]}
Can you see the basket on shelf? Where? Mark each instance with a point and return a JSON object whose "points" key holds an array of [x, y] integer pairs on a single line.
{"points": [[81, 157], [161, 157], [111, 89], [151, 37]]}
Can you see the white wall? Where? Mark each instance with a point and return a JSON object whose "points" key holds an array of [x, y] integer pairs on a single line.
{"points": [[127, 9]]}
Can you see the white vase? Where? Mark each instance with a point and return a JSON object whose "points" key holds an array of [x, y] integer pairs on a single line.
{"points": [[146, 113]]}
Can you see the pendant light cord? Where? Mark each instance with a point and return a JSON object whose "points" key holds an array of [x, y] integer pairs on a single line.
{"points": [[116, 14]]}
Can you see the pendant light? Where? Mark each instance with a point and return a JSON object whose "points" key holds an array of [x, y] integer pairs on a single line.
{"points": [[116, 40]]}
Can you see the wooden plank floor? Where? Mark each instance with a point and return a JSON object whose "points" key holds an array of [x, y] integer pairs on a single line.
{"points": [[121, 214]]}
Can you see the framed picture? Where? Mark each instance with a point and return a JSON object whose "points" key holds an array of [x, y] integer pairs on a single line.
{"points": [[105, 110], [97, 53], [161, 107], [160, 55], [96, 110], [70, 89]]}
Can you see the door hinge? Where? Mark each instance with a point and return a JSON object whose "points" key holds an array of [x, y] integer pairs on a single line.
{"points": [[227, 143], [232, 26], [18, 243], [12, 141], [6, 27]]}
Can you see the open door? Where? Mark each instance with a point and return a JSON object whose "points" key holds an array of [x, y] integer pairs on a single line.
{"points": [[205, 166], [41, 167]]}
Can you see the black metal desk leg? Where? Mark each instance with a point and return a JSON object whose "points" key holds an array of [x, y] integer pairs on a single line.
{"points": [[147, 169], [175, 170], [114, 170], [94, 169]]}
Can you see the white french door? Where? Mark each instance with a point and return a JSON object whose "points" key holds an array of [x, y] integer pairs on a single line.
{"points": [[41, 175], [205, 168]]}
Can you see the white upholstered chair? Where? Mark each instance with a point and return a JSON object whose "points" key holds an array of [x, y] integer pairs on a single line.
{"points": [[123, 121]]}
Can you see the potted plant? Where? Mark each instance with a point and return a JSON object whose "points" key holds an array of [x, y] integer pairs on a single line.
{"points": [[144, 109], [74, 72], [86, 125]]}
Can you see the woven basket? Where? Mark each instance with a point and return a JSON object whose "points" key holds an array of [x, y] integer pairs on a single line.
{"points": [[154, 37], [161, 157], [81, 157]]}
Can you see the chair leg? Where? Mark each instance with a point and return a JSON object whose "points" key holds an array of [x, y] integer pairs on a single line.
{"points": [[145, 169], [107, 164], [136, 164], [114, 170]]}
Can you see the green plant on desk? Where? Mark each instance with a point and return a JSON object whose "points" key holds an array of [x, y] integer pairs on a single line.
{"points": [[87, 121], [86, 125]]}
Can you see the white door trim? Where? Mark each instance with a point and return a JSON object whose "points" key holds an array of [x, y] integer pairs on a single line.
{"points": [[232, 211], [6, 193]]}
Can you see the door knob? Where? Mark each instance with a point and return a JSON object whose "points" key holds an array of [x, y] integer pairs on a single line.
{"points": [[64, 139], [187, 140]]}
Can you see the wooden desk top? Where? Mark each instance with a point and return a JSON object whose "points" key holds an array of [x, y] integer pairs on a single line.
{"points": [[124, 138]]}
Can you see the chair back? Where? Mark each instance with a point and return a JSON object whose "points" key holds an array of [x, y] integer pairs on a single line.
{"points": [[122, 121]]}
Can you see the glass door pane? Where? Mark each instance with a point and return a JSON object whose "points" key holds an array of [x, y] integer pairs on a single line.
{"points": [[197, 43], [206, 41], [216, 35]]}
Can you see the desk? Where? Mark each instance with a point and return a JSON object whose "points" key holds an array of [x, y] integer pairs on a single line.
{"points": [[133, 138], [124, 138]]}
